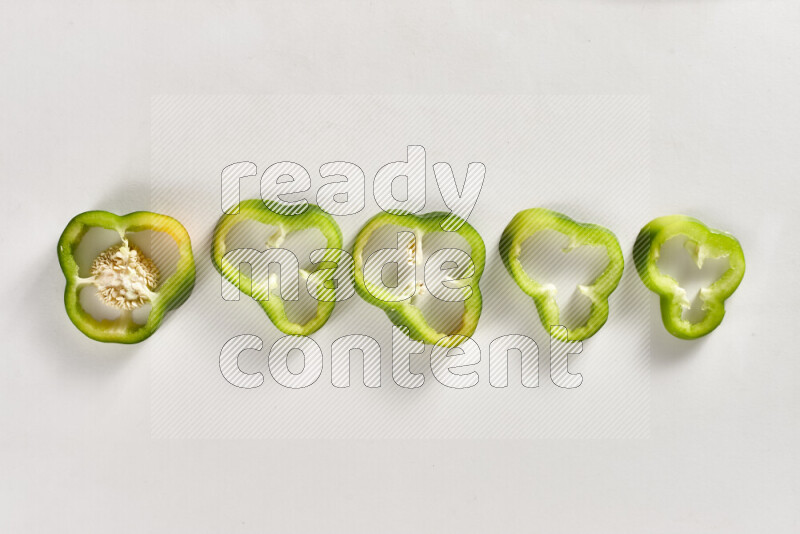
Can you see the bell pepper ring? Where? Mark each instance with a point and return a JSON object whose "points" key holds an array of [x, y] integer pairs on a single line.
{"points": [[124, 277], [405, 313], [702, 243], [267, 213], [529, 222]]}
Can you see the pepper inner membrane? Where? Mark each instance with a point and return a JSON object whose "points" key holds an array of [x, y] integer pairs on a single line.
{"points": [[544, 259], [677, 261], [110, 261], [441, 315]]}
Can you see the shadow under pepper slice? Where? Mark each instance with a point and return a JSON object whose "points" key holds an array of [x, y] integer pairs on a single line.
{"points": [[527, 223], [405, 313], [124, 277], [702, 243], [259, 211]]}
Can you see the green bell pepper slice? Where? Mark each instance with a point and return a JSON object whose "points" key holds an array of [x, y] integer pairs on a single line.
{"points": [[527, 223], [124, 277], [266, 213], [702, 243], [405, 313]]}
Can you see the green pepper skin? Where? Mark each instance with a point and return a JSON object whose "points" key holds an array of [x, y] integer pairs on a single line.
{"points": [[702, 243], [259, 211], [169, 294], [528, 222], [404, 313]]}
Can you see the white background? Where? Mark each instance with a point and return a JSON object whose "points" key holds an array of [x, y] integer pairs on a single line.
{"points": [[76, 84]]}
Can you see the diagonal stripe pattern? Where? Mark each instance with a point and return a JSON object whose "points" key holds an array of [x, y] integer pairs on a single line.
{"points": [[586, 156]]}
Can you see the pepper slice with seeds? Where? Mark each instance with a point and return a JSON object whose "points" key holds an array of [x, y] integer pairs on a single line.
{"points": [[125, 278]]}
